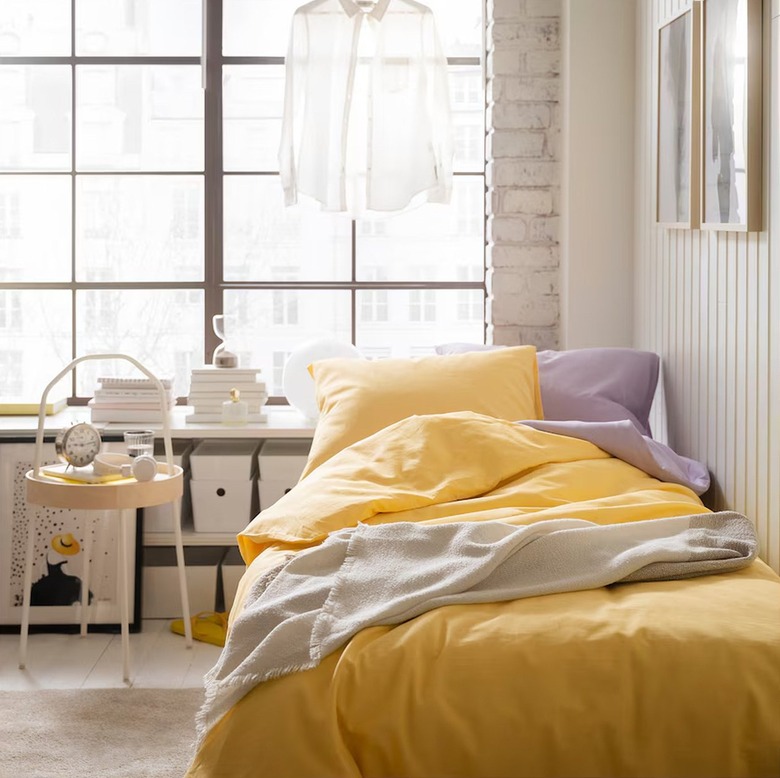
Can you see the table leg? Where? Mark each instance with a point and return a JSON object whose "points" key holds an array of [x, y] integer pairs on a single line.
{"points": [[85, 569], [185, 599], [32, 526], [124, 593]]}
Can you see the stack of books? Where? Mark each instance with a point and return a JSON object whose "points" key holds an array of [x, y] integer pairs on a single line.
{"points": [[210, 387], [130, 399]]}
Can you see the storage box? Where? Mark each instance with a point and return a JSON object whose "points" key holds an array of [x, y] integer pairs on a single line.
{"points": [[222, 505], [226, 460], [271, 491], [283, 460], [161, 598], [280, 464], [159, 518], [231, 570]]}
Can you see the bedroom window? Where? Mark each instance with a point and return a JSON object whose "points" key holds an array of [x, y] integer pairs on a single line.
{"points": [[134, 206]]}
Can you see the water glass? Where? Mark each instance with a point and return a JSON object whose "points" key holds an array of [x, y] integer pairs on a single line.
{"points": [[139, 442]]}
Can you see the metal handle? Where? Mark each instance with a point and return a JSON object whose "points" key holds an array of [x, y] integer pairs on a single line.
{"points": [[67, 369]]}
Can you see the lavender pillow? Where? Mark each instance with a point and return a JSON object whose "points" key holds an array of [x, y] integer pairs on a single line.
{"points": [[591, 384]]}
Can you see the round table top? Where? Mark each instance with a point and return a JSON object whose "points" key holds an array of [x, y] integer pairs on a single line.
{"points": [[126, 493]]}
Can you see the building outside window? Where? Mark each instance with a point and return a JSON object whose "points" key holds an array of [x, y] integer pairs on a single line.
{"points": [[11, 382], [471, 306], [277, 374], [10, 226], [373, 302], [10, 311], [112, 156]]}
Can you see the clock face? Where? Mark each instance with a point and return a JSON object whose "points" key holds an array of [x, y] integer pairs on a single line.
{"points": [[78, 445]]}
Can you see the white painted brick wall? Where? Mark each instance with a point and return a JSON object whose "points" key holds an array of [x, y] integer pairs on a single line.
{"points": [[523, 171]]}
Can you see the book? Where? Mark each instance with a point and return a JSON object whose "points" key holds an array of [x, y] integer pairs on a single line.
{"points": [[125, 414], [217, 386], [210, 418], [210, 370], [216, 407], [26, 408], [246, 394], [82, 475], [133, 383], [139, 393], [129, 405], [223, 393], [225, 375]]}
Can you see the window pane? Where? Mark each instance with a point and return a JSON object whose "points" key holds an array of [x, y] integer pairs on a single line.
{"points": [[35, 341], [138, 27], [256, 27], [262, 235], [162, 329], [266, 325], [35, 228], [428, 243], [417, 320], [467, 101], [35, 117], [34, 28], [139, 228], [459, 26], [253, 99], [133, 117]]}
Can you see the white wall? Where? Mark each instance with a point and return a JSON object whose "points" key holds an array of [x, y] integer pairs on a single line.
{"points": [[709, 303], [597, 241]]}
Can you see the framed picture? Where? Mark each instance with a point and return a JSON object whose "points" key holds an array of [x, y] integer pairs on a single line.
{"points": [[677, 203], [59, 553], [731, 115]]}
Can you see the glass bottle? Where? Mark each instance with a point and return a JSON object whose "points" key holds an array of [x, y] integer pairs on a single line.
{"points": [[235, 410]]}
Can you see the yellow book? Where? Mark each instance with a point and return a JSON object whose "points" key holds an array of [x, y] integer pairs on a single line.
{"points": [[81, 475], [25, 408]]}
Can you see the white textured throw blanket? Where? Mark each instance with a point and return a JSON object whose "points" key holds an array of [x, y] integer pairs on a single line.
{"points": [[386, 574]]}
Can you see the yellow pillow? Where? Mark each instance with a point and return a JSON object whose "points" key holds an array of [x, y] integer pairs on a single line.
{"points": [[358, 397]]}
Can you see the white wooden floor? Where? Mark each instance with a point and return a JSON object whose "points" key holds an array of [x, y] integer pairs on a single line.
{"points": [[158, 659]]}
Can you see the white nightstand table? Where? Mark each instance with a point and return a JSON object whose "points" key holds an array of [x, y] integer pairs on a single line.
{"points": [[123, 496]]}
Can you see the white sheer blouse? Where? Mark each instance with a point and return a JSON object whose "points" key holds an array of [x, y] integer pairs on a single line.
{"points": [[366, 125]]}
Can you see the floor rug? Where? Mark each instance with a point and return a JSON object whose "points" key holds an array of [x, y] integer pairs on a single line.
{"points": [[101, 733]]}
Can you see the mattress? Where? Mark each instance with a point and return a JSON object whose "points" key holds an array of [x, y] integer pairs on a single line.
{"points": [[661, 678]]}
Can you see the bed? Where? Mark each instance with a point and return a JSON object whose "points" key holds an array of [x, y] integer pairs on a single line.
{"points": [[675, 676]]}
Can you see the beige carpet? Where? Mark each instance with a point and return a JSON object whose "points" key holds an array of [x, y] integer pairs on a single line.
{"points": [[100, 733]]}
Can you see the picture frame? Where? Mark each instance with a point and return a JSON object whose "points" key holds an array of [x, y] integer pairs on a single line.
{"points": [[59, 556], [678, 120], [731, 115]]}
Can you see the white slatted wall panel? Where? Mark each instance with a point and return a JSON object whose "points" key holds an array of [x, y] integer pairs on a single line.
{"points": [[709, 303]]}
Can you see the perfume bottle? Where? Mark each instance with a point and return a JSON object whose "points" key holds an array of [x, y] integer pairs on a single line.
{"points": [[222, 356], [235, 410]]}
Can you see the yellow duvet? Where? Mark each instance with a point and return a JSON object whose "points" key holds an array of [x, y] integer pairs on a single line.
{"points": [[674, 678]]}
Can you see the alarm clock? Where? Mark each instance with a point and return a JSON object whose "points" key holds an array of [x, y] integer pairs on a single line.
{"points": [[78, 445]]}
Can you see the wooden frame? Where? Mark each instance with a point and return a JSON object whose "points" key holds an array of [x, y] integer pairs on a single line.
{"points": [[731, 115], [678, 120]]}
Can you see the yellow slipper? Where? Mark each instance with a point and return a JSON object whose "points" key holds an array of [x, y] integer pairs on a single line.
{"points": [[207, 626]]}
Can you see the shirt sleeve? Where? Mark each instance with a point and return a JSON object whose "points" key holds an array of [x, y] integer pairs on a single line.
{"points": [[294, 91], [438, 99]]}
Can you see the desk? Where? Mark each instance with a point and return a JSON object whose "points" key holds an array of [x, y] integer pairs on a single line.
{"points": [[283, 422]]}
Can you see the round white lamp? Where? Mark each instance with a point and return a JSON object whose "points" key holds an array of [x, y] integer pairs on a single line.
{"points": [[298, 384]]}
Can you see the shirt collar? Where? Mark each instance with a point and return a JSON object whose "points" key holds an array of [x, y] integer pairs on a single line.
{"points": [[377, 12]]}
